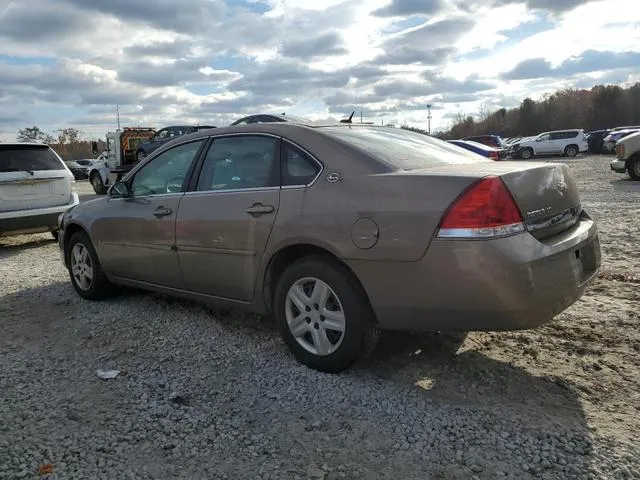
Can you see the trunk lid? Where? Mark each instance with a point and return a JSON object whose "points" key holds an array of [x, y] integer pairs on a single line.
{"points": [[32, 176], [546, 193]]}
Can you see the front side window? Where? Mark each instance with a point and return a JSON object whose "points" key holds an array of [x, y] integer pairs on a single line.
{"points": [[167, 172], [298, 168], [247, 161], [543, 138]]}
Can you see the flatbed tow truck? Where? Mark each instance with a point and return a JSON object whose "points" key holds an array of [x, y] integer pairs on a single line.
{"points": [[120, 156]]}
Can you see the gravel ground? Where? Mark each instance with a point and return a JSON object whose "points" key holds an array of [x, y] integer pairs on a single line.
{"points": [[214, 394]]}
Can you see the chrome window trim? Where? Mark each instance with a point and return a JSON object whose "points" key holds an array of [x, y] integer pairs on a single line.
{"points": [[231, 190]]}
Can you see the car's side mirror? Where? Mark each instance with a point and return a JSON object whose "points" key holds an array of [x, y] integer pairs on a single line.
{"points": [[120, 190]]}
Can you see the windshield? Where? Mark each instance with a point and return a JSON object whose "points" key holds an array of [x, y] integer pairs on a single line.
{"points": [[28, 158], [402, 149]]}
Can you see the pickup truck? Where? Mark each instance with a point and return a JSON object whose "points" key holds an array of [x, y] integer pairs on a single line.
{"points": [[628, 156]]}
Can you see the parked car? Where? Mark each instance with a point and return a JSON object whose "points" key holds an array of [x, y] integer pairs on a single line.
{"points": [[164, 135], [489, 140], [80, 172], [289, 220], [270, 118], [628, 156], [595, 140], [35, 187], [481, 149], [87, 162], [559, 142], [609, 142]]}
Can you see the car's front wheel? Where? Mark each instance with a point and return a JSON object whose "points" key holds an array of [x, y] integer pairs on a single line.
{"points": [[634, 169], [85, 271], [526, 153], [97, 183], [324, 314]]}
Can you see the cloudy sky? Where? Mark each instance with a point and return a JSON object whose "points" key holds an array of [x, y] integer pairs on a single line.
{"points": [[68, 63]]}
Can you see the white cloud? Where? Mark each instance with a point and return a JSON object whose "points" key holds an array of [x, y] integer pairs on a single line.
{"points": [[73, 60]]}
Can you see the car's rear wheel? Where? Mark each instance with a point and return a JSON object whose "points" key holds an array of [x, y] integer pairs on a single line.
{"points": [[85, 270], [526, 153], [324, 314], [97, 183], [571, 151], [634, 169]]}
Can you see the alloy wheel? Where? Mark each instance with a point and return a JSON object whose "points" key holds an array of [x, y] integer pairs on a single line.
{"points": [[81, 266], [315, 316]]}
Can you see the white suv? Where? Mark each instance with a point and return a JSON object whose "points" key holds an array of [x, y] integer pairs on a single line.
{"points": [[35, 187], [558, 142]]}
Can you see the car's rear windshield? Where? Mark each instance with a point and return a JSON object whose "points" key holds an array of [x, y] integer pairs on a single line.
{"points": [[30, 158], [400, 148]]}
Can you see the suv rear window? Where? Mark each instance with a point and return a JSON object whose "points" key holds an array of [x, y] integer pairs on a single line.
{"points": [[402, 149], [31, 158]]}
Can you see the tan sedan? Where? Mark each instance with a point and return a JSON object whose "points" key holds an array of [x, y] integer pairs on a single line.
{"points": [[339, 232]]}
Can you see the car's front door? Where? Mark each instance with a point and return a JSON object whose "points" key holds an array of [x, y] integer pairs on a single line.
{"points": [[223, 226], [543, 145], [136, 234]]}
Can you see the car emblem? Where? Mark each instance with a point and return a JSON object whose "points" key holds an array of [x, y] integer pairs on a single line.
{"points": [[334, 177]]}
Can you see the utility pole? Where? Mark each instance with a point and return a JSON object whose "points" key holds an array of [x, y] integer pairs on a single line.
{"points": [[429, 118], [118, 116], [360, 116]]}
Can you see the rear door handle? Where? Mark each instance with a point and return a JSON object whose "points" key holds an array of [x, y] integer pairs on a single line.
{"points": [[162, 212], [258, 209]]}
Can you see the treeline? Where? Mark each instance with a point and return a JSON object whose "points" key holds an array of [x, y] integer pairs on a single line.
{"points": [[66, 142], [603, 106]]}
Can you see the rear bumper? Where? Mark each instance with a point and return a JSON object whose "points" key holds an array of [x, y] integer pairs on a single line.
{"points": [[33, 220], [619, 166], [510, 283]]}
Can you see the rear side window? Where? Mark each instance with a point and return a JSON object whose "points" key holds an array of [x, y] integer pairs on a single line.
{"points": [[240, 162], [298, 168], [402, 149], [15, 158]]}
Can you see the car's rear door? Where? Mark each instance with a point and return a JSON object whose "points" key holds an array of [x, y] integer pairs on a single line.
{"points": [[224, 223]]}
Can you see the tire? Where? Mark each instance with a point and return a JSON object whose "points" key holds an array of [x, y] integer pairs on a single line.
{"points": [[97, 287], [526, 153], [339, 350], [141, 155], [634, 169], [97, 183], [571, 151]]}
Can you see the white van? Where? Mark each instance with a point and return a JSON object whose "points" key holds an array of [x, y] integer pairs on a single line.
{"points": [[35, 187], [559, 142]]}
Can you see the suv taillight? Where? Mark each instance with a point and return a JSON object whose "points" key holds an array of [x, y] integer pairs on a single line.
{"points": [[486, 209]]}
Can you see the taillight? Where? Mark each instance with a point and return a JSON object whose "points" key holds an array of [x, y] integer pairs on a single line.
{"points": [[620, 150], [493, 155], [486, 209]]}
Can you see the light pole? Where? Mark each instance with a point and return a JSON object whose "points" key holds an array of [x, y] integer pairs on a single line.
{"points": [[429, 118]]}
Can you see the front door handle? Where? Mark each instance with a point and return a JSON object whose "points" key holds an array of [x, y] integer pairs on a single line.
{"points": [[162, 212], [258, 209]]}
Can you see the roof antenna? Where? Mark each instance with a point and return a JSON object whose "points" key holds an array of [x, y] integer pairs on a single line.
{"points": [[348, 120]]}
